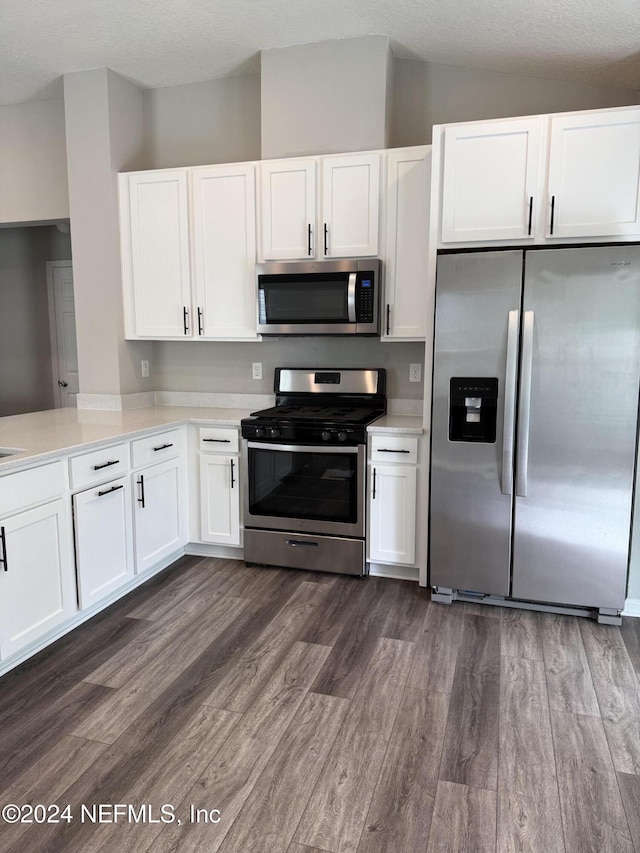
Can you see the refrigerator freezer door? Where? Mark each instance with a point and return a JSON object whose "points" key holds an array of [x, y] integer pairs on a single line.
{"points": [[571, 530], [470, 517]]}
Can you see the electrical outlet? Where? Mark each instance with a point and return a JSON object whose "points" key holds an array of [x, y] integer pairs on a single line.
{"points": [[256, 370], [144, 364], [415, 373]]}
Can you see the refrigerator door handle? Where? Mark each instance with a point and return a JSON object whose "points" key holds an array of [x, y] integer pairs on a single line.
{"points": [[509, 420], [525, 406]]}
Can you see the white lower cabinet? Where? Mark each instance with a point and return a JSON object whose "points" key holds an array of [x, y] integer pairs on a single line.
{"points": [[219, 499], [37, 586], [104, 540], [392, 501], [160, 513]]}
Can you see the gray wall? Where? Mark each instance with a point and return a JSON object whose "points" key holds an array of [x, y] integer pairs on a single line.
{"points": [[33, 163], [226, 367], [427, 93], [25, 349], [326, 97]]}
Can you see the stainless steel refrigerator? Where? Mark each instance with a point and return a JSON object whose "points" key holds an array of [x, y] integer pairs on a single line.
{"points": [[534, 427]]}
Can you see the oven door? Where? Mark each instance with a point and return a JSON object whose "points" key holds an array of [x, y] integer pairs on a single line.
{"points": [[314, 489]]}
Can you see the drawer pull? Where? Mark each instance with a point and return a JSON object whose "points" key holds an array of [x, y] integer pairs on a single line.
{"points": [[3, 542], [106, 464], [297, 543], [162, 447], [108, 491], [219, 440], [391, 450]]}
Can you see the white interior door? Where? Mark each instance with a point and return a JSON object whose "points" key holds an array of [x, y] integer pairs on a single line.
{"points": [[62, 325]]}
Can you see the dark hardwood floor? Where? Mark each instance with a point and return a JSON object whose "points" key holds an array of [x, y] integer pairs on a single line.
{"points": [[275, 711]]}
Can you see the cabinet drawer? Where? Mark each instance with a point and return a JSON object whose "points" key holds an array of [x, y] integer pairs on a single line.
{"points": [[156, 448], [219, 439], [394, 448], [99, 465], [32, 487]]}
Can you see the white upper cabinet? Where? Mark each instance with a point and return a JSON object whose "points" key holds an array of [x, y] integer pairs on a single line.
{"points": [[594, 174], [350, 206], [490, 180], [224, 242], [342, 223], [406, 253], [571, 176], [288, 209], [155, 246]]}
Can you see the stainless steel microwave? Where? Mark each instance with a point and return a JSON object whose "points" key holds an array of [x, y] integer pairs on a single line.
{"points": [[319, 297]]}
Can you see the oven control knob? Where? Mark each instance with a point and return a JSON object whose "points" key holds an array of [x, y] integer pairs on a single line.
{"points": [[260, 432], [342, 436], [274, 432], [326, 435]]}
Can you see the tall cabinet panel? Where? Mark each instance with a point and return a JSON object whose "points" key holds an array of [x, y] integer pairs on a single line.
{"points": [[159, 252], [594, 174], [224, 238], [577, 425]]}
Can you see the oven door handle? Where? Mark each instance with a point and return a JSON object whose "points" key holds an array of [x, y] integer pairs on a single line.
{"points": [[303, 448]]}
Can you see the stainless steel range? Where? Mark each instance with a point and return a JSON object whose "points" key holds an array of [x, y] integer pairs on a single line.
{"points": [[304, 502]]}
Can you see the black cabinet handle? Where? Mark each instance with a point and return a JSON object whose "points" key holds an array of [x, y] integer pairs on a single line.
{"points": [[141, 498], [373, 490], [388, 317], [3, 542], [233, 482], [309, 239], [106, 464], [325, 238], [108, 491], [200, 324], [391, 450], [162, 447], [185, 320], [553, 210], [530, 215], [219, 440]]}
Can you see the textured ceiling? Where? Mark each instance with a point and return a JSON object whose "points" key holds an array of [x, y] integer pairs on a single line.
{"points": [[167, 42]]}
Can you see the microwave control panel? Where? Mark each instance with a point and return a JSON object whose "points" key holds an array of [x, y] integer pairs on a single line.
{"points": [[365, 298]]}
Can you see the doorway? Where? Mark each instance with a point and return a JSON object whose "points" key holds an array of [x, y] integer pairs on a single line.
{"points": [[62, 325]]}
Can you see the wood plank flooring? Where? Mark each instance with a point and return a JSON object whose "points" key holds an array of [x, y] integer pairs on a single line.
{"points": [[253, 710]]}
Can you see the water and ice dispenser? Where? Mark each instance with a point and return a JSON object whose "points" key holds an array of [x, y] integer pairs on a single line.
{"points": [[473, 406]]}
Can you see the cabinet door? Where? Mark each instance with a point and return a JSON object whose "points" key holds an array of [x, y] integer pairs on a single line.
{"points": [[219, 499], [37, 589], [407, 249], [594, 175], [350, 206], [158, 232], [224, 239], [160, 520], [104, 544], [392, 514], [288, 210], [490, 180]]}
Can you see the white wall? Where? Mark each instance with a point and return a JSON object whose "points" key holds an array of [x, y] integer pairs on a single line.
{"points": [[25, 365], [428, 93], [217, 121], [326, 97], [33, 162]]}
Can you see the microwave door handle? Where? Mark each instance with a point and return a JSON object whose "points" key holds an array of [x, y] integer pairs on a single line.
{"points": [[351, 298]]}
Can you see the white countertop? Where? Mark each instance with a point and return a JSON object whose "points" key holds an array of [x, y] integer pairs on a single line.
{"points": [[411, 424], [43, 435]]}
